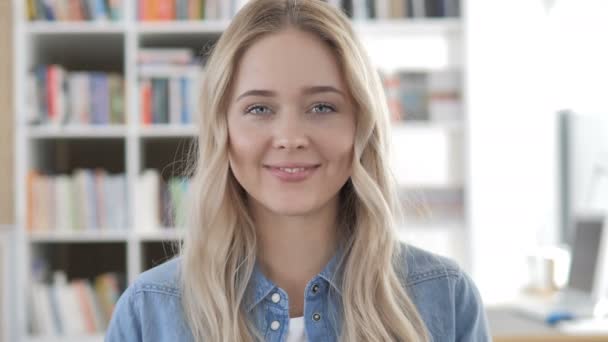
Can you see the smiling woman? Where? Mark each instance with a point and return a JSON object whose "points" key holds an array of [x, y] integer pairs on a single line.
{"points": [[291, 235]]}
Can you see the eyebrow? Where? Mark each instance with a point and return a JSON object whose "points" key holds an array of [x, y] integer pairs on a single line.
{"points": [[306, 91]]}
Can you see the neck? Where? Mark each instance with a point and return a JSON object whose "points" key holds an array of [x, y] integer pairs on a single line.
{"points": [[293, 249]]}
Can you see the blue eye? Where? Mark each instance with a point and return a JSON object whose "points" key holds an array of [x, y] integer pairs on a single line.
{"points": [[323, 108], [257, 110]]}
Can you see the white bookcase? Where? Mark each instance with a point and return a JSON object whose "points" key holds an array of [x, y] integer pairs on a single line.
{"points": [[395, 44]]}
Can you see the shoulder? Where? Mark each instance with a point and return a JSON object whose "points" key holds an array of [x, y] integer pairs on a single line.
{"points": [[163, 278], [446, 297], [418, 265], [150, 308]]}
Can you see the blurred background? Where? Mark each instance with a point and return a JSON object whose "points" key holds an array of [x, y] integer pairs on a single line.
{"points": [[500, 141]]}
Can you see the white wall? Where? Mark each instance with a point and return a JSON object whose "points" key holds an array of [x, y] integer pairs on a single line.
{"points": [[579, 64], [512, 147], [526, 60]]}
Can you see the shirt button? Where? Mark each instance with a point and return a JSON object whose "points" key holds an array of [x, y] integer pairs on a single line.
{"points": [[315, 288], [316, 317], [276, 297], [275, 325]]}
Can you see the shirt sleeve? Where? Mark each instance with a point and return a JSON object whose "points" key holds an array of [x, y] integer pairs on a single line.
{"points": [[125, 323], [471, 320]]}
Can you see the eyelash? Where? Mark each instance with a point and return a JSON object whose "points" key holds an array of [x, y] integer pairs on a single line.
{"points": [[259, 106]]}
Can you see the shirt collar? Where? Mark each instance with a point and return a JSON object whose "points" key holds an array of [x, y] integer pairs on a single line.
{"points": [[259, 286]]}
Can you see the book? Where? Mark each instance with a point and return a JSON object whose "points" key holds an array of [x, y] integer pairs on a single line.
{"points": [[444, 99], [62, 97], [117, 99], [414, 96], [175, 101], [87, 199], [73, 308], [145, 94], [165, 56], [160, 101], [148, 194], [74, 10], [165, 10]]}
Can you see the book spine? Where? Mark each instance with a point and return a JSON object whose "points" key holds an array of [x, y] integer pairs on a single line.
{"points": [[52, 91], [85, 95], [49, 11], [115, 9], [211, 10], [174, 101], [101, 210], [165, 10], [146, 101], [194, 10], [185, 112], [96, 105]]}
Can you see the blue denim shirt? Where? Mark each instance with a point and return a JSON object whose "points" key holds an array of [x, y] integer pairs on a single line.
{"points": [[446, 298]]}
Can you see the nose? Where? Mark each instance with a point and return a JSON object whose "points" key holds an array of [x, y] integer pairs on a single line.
{"points": [[290, 133]]}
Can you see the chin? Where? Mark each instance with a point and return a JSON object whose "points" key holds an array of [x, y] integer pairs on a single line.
{"points": [[286, 208]]}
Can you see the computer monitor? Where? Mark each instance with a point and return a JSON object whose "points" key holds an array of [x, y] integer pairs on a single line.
{"points": [[588, 254]]}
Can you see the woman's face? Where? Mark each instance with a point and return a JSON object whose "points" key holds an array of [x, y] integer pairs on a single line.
{"points": [[291, 124]]}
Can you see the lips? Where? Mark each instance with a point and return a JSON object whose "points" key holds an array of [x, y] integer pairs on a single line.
{"points": [[292, 172]]}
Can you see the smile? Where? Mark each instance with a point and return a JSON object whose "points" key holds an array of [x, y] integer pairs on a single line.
{"points": [[292, 173], [292, 170]]}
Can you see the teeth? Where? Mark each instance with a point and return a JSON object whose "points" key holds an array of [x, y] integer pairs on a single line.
{"points": [[292, 170]]}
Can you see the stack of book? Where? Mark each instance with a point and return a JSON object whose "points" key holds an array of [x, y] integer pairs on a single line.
{"points": [[74, 308], [58, 97], [421, 96], [75, 10], [394, 9], [86, 200], [161, 204], [169, 86], [188, 9]]}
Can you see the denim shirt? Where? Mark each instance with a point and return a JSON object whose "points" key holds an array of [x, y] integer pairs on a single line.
{"points": [[446, 298]]}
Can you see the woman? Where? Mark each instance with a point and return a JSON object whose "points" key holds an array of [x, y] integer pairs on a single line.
{"points": [[291, 235]]}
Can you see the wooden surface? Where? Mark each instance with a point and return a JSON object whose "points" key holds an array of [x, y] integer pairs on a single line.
{"points": [[507, 326], [6, 114], [551, 339]]}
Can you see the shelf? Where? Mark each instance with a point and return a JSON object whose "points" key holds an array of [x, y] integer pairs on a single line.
{"points": [[171, 27], [160, 235], [80, 236], [82, 27], [82, 338], [395, 26], [427, 125], [433, 26], [154, 131], [74, 131]]}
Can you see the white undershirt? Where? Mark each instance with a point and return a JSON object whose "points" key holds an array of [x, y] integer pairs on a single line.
{"points": [[296, 331]]}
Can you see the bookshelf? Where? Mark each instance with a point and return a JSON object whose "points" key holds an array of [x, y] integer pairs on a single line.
{"points": [[131, 147]]}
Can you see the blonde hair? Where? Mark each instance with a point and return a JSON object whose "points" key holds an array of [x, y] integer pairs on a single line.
{"points": [[219, 249]]}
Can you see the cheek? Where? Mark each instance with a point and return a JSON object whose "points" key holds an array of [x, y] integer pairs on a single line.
{"points": [[243, 148], [337, 147]]}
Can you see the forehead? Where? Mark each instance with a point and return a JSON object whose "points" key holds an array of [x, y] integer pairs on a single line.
{"points": [[288, 59]]}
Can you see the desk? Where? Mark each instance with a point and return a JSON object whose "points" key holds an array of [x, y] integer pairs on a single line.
{"points": [[506, 325]]}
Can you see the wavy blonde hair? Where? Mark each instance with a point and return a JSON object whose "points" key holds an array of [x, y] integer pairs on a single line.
{"points": [[219, 249]]}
